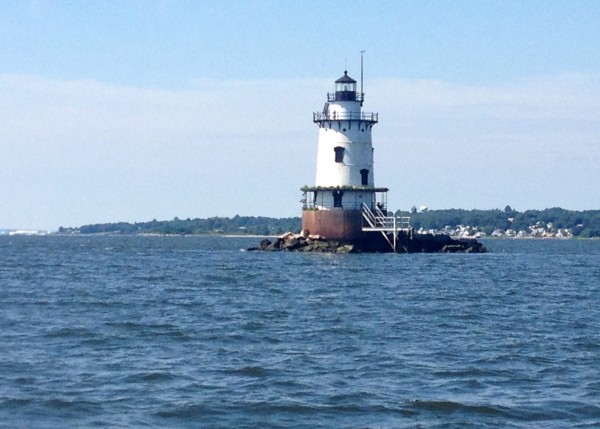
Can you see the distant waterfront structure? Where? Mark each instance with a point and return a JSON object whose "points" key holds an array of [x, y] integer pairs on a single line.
{"points": [[29, 232]]}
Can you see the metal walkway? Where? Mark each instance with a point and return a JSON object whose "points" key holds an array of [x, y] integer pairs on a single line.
{"points": [[377, 221]]}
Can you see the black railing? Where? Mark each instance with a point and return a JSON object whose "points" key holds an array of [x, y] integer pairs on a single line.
{"points": [[328, 205], [346, 116], [346, 96]]}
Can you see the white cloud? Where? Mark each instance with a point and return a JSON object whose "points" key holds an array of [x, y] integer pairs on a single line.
{"points": [[486, 146], [78, 152]]}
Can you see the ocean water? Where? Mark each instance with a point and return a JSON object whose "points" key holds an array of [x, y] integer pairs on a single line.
{"points": [[192, 332]]}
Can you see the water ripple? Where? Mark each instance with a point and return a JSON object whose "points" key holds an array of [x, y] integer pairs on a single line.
{"points": [[183, 332]]}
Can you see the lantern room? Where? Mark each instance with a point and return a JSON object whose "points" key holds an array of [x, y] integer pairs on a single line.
{"points": [[345, 88]]}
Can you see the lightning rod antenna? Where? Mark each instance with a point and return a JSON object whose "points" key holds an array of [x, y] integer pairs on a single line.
{"points": [[362, 93]]}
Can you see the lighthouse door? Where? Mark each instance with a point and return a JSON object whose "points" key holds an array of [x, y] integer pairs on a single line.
{"points": [[337, 198]]}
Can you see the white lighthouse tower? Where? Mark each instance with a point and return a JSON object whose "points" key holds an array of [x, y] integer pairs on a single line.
{"points": [[344, 185]]}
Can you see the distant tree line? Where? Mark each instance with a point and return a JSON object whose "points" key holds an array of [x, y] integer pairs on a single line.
{"points": [[585, 224], [244, 225]]}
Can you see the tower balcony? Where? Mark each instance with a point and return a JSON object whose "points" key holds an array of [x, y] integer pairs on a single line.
{"points": [[348, 197], [320, 117]]}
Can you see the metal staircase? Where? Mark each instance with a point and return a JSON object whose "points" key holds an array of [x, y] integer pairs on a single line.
{"points": [[377, 221]]}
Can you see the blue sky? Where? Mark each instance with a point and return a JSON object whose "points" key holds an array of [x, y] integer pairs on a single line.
{"points": [[134, 110]]}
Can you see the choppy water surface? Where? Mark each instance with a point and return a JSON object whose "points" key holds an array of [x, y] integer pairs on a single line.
{"points": [[192, 332]]}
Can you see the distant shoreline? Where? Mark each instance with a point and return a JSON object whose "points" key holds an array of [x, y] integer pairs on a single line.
{"points": [[109, 234], [555, 223]]}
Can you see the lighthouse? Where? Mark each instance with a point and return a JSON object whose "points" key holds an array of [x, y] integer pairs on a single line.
{"points": [[344, 211], [345, 182]]}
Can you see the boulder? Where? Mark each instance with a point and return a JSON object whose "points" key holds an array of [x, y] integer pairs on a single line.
{"points": [[346, 248], [320, 244], [291, 244], [453, 248], [264, 243]]}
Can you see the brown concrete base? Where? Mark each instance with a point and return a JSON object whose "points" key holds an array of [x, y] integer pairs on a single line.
{"points": [[335, 224]]}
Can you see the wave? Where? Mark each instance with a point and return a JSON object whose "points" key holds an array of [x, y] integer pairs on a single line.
{"points": [[451, 407]]}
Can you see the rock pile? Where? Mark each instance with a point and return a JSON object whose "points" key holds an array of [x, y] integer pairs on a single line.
{"points": [[406, 243], [442, 243], [304, 242]]}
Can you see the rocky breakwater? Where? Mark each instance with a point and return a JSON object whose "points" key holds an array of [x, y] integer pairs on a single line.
{"points": [[304, 242], [406, 242], [440, 243]]}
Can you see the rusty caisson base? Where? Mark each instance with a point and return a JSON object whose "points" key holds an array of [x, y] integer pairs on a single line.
{"points": [[341, 231], [335, 224]]}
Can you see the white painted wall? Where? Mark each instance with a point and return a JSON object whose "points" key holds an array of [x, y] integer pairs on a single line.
{"points": [[358, 155], [355, 137]]}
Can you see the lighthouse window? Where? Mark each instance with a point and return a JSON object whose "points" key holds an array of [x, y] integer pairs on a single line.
{"points": [[339, 154], [364, 177], [345, 87]]}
